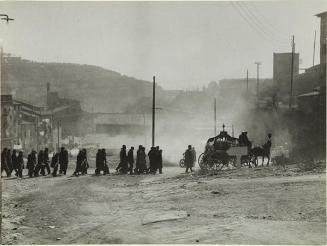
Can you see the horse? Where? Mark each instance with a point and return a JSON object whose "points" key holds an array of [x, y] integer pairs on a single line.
{"points": [[263, 152]]}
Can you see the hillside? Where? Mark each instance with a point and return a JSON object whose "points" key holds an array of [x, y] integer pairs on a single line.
{"points": [[105, 90]]}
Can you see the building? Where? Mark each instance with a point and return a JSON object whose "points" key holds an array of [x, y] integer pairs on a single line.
{"points": [[282, 69], [315, 76], [323, 44], [9, 122], [25, 126]]}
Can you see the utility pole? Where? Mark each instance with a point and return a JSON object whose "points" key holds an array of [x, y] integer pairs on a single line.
{"points": [[314, 49], [258, 67], [58, 125], [215, 117], [153, 109], [292, 68], [37, 133], [232, 130], [247, 81]]}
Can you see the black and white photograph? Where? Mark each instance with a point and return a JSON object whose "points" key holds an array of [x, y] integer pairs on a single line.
{"points": [[163, 122]]}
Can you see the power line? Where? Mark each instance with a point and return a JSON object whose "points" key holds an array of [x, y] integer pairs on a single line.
{"points": [[252, 17], [268, 23], [245, 16]]}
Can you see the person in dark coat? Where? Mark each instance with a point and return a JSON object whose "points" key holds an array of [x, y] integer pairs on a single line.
{"points": [[46, 161], [98, 162], [152, 159], [137, 161], [14, 161], [20, 162], [31, 163], [189, 159], [130, 157], [159, 163], [66, 161], [79, 160], [39, 165], [63, 161], [55, 164], [4, 166], [84, 164], [105, 164], [123, 164], [9, 162]]}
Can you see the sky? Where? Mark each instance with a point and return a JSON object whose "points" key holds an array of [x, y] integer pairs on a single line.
{"points": [[184, 44]]}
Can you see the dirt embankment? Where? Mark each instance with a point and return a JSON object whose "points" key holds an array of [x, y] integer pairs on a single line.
{"points": [[247, 206]]}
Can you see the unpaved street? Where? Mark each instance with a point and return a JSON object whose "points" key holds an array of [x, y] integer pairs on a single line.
{"points": [[248, 206]]}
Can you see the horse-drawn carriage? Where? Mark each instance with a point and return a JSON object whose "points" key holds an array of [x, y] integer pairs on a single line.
{"points": [[220, 152]]}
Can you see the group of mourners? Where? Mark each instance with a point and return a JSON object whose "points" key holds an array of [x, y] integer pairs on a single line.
{"points": [[127, 160], [12, 162], [37, 163]]}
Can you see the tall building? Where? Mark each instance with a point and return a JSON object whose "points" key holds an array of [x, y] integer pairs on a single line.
{"points": [[282, 70], [323, 37]]}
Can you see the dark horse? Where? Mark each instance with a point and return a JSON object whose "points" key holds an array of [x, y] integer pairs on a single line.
{"points": [[263, 152]]}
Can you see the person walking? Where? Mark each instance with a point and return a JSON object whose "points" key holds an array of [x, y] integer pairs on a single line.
{"points": [[85, 164], [137, 160], [98, 162], [152, 160], [123, 164], [188, 159], [160, 161], [4, 166], [31, 163], [79, 160], [142, 161], [9, 162], [105, 164], [14, 161], [130, 157], [20, 162], [46, 160], [55, 164], [39, 165]]}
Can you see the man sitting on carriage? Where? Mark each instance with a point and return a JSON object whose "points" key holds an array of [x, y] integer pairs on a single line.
{"points": [[244, 141]]}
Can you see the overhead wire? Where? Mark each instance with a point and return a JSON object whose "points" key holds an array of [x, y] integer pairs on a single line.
{"points": [[262, 26], [253, 24]]}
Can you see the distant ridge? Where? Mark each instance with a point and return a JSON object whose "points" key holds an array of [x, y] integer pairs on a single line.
{"points": [[104, 89]]}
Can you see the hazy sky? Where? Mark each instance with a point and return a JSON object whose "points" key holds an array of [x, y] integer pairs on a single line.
{"points": [[184, 44]]}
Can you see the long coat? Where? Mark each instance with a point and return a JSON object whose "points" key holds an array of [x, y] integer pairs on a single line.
{"points": [[189, 158]]}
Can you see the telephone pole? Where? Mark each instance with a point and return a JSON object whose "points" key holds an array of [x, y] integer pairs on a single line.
{"points": [[215, 117], [292, 68], [247, 81], [258, 68], [153, 109], [314, 49], [58, 127]]}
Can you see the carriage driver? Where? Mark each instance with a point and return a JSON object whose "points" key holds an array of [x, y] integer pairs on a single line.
{"points": [[243, 140]]}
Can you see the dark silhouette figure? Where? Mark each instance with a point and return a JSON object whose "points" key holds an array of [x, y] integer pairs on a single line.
{"points": [[123, 164], [20, 161], [4, 166], [189, 159], [130, 157], [31, 163]]}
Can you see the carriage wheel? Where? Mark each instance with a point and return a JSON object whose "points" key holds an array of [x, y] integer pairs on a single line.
{"points": [[202, 162], [182, 163]]}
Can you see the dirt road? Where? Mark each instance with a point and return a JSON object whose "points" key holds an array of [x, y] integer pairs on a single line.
{"points": [[239, 207]]}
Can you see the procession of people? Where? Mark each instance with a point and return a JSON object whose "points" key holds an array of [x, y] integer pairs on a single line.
{"points": [[39, 164]]}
